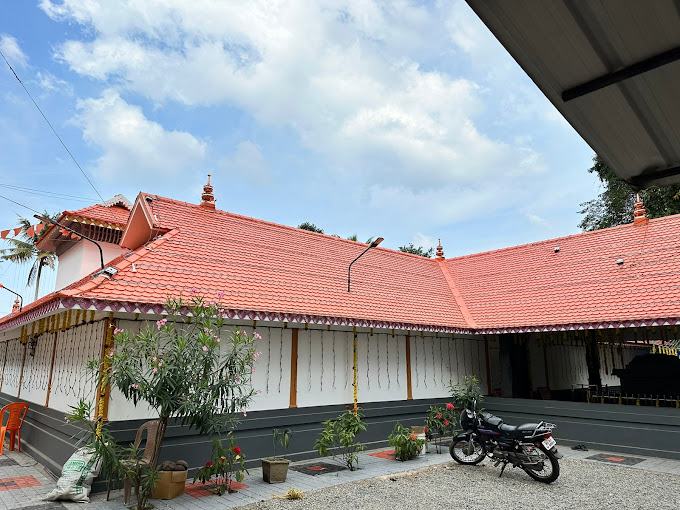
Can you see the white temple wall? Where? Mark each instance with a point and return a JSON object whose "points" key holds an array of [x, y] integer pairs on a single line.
{"points": [[12, 371], [381, 368], [436, 361], [324, 367], [71, 380], [37, 370]]}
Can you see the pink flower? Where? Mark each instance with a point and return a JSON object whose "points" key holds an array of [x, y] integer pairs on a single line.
{"points": [[220, 294], [111, 352], [155, 370], [217, 340], [260, 392], [205, 348], [116, 331], [257, 335], [245, 414], [238, 379], [160, 363], [256, 355], [161, 323], [153, 359], [253, 370]]}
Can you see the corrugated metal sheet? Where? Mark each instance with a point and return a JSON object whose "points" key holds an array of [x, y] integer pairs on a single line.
{"points": [[633, 124]]}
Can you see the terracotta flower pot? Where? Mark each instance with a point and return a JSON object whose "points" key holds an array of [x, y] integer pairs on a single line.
{"points": [[275, 470]]}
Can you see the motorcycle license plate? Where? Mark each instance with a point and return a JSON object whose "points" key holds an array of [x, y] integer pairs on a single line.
{"points": [[549, 443]]}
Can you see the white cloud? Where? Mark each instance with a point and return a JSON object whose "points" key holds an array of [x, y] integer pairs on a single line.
{"points": [[132, 145], [51, 83], [248, 161], [535, 219], [10, 48], [347, 77]]}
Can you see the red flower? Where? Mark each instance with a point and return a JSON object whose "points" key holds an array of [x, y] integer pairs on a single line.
{"points": [[439, 416], [237, 450], [413, 437], [208, 464], [426, 430], [348, 407], [450, 407], [355, 409], [446, 423]]}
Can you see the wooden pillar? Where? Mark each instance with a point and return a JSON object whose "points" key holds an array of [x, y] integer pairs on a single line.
{"points": [[49, 380], [488, 367], [2, 379], [293, 367], [21, 375], [409, 389]]}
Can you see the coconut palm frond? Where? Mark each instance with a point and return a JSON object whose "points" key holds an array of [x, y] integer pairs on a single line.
{"points": [[20, 252]]}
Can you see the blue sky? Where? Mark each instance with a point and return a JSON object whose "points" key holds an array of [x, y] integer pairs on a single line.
{"points": [[405, 120]]}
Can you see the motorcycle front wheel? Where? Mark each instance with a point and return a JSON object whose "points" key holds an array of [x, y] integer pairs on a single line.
{"points": [[550, 469], [467, 451]]}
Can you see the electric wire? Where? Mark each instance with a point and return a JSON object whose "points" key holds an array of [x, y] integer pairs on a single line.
{"points": [[51, 127], [46, 193]]}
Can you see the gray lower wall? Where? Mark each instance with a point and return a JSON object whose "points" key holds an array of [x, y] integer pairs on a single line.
{"points": [[626, 429], [637, 430]]}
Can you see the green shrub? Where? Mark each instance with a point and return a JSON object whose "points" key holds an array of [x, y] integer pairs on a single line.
{"points": [[406, 444], [338, 438]]}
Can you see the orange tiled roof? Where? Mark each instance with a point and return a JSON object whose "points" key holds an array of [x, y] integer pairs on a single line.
{"points": [[582, 283], [271, 268], [114, 215]]}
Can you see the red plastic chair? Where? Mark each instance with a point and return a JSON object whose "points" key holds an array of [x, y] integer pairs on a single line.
{"points": [[17, 414]]}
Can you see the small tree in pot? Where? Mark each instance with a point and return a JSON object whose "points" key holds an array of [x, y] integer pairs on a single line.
{"points": [[275, 469]]}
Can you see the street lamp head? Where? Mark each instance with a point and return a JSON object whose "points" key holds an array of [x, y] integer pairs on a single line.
{"points": [[376, 242]]}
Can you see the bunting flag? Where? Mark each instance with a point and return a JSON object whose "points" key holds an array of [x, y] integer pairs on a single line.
{"points": [[14, 232]]}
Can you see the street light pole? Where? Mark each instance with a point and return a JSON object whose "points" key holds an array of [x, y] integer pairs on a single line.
{"points": [[372, 245], [21, 305]]}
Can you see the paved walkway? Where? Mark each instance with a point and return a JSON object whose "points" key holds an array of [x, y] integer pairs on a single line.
{"points": [[24, 482]]}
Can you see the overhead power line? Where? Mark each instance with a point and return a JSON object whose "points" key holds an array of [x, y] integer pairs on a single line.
{"points": [[49, 124], [46, 193]]}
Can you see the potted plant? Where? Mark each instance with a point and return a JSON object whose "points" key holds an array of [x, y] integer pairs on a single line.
{"points": [[407, 445], [226, 466], [275, 469]]}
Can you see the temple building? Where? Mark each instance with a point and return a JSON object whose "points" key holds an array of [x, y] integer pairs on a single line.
{"points": [[549, 319]]}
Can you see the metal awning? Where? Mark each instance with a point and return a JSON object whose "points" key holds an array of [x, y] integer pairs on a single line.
{"points": [[612, 68]]}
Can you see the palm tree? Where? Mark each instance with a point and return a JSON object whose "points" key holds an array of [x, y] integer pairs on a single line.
{"points": [[24, 251]]}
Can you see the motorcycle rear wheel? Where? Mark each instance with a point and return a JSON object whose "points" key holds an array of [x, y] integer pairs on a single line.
{"points": [[465, 451], [550, 471]]}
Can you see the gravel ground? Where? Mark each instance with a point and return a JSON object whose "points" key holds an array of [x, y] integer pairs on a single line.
{"points": [[581, 485]]}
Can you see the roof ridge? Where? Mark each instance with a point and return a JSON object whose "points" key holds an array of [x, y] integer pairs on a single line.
{"points": [[570, 236], [458, 297], [272, 223]]}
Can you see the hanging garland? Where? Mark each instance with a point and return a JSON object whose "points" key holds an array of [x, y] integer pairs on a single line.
{"points": [[334, 360], [441, 362], [269, 358], [322, 349], [379, 384], [387, 342], [280, 357], [347, 361], [309, 363], [417, 375], [368, 361], [424, 360], [398, 362]]}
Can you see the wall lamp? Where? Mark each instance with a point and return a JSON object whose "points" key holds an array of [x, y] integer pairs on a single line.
{"points": [[372, 245], [48, 220], [19, 295]]}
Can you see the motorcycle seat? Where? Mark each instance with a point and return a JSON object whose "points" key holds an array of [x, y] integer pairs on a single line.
{"points": [[525, 429], [491, 420]]}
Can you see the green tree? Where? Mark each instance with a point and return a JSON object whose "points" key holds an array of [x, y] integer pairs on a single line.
{"points": [[614, 205], [354, 237], [184, 370], [310, 226], [23, 250], [417, 251]]}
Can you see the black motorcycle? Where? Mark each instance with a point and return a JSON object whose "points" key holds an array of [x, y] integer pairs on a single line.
{"points": [[529, 446]]}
